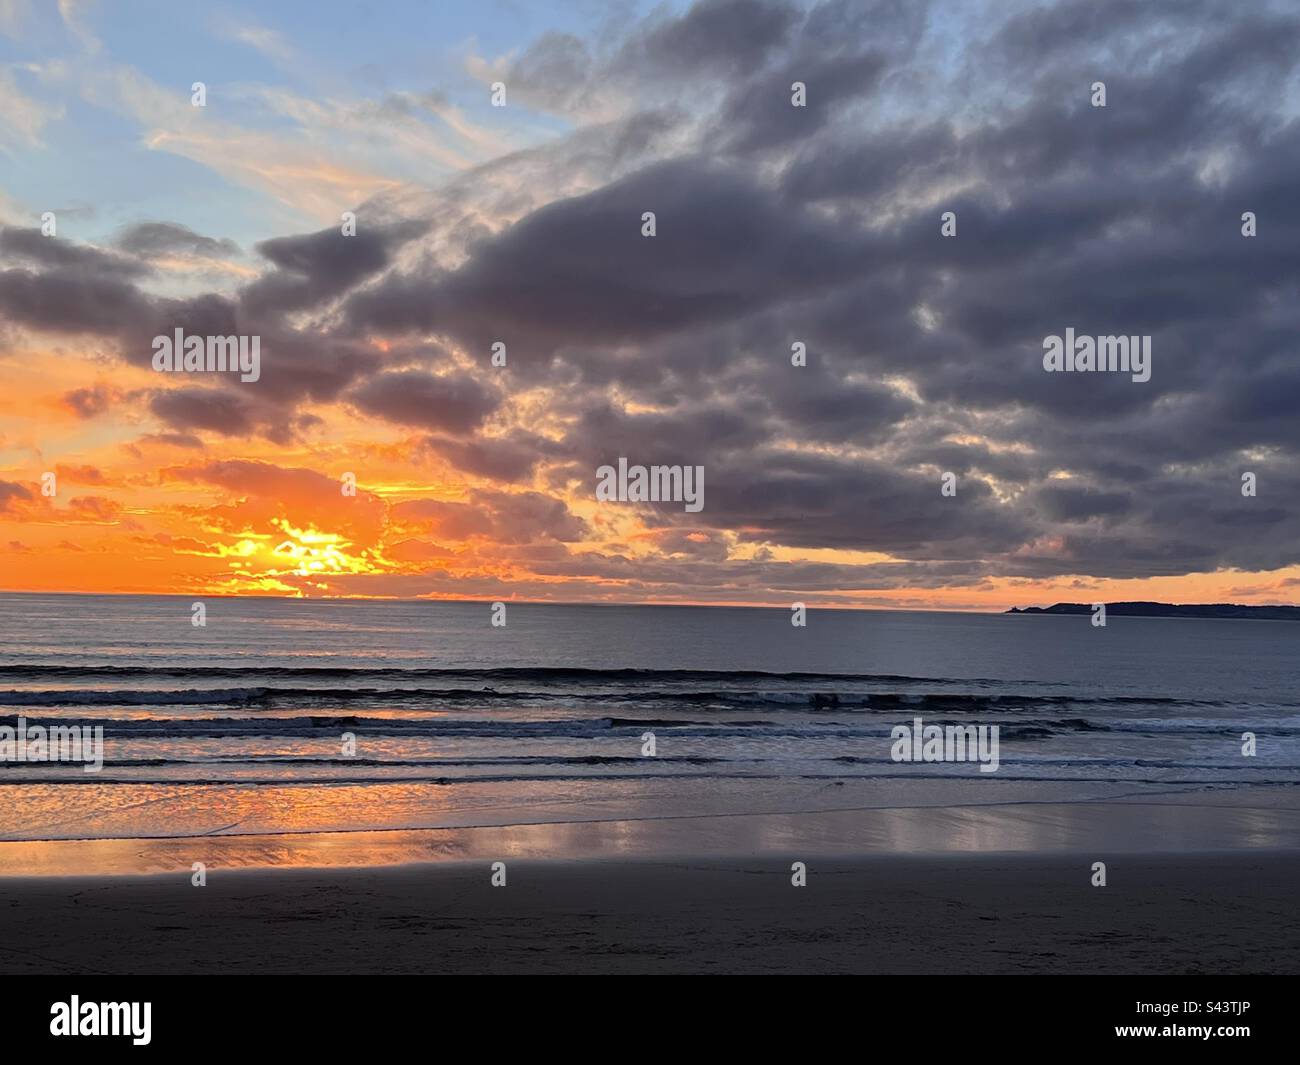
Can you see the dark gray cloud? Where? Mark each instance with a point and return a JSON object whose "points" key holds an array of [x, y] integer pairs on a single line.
{"points": [[149, 239], [30, 246], [55, 286], [450, 402], [317, 267], [580, 269], [511, 458], [760, 114], [213, 409], [721, 38]]}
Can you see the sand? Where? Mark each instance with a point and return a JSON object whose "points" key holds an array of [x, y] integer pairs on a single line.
{"points": [[718, 909]]}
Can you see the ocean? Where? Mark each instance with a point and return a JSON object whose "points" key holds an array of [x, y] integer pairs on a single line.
{"points": [[242, 726]]}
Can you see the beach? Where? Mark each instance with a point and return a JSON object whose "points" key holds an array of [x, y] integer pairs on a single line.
{"points": [[1214, 913], [921, 891]]}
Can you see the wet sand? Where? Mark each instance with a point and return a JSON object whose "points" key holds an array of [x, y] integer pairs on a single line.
{"points": [[1260, 819]]}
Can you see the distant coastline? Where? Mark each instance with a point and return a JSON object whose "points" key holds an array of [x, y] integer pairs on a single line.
{"points": [[1171, 610]]}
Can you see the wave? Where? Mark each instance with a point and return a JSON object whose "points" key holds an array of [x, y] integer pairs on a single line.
{"points": [[547, 673], [956, 770], [301, 760], [882, 760], [561, 728], [885, 702], [316, 725]]}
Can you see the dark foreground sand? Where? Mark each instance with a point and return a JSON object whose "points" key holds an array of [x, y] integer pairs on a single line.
{"points": [[1223, 912]]}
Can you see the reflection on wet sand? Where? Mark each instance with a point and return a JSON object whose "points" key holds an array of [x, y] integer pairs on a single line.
{"points": [[1097, 829]]}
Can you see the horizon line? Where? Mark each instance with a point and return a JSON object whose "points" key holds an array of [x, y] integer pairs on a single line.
{"points": [[606, 603]]}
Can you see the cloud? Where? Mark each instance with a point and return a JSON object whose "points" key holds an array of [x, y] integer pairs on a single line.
{"points": [[501, 517], [43, 252], [11, 494], [81, 474], [260, 496], [317, 267], [267, 41], [95, 509], [450, 402], [91, 401], [579, 270], [776, 226], [22, 118], [204, 408], [510, 458], [150, 239]]}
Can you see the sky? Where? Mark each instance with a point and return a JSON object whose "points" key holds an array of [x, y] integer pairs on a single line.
{"points": [[498, 161]]}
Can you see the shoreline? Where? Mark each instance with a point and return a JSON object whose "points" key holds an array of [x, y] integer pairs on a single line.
{"points": [[1179, 823]]}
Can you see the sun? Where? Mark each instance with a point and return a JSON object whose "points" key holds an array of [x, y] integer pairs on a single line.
{"points": [[310, 552]]}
